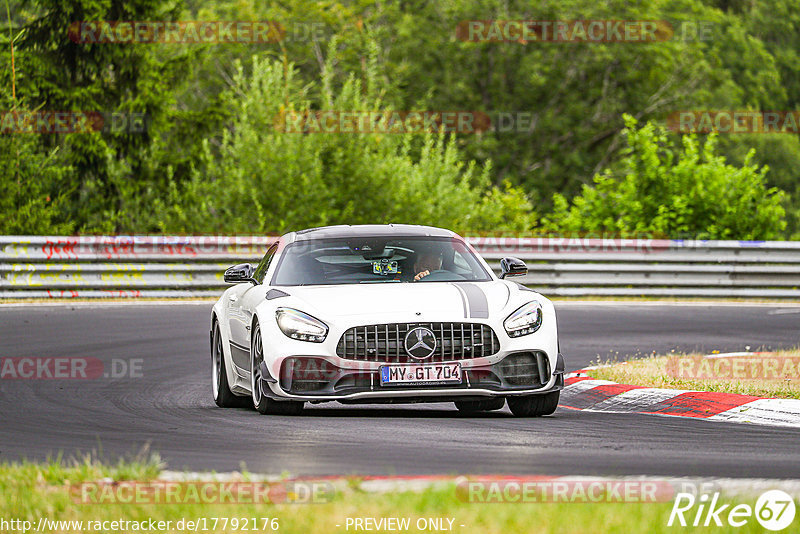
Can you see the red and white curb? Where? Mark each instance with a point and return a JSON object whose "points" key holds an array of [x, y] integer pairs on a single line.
{"points": [[582, 392]]}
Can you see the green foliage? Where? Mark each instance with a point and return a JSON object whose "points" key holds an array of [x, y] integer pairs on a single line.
{"points": [[30, 178], [662, 189], [211, 161], [262, 179], [59, 74], [576, 92]]}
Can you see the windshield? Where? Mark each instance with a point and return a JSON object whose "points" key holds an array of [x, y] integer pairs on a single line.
{"points": [[378, 260]]}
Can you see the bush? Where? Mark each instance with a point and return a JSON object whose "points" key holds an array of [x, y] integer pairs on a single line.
{"points": [[662, 189]]}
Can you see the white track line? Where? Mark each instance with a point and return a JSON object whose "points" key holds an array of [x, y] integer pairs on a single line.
{"points": [[775, 412]]}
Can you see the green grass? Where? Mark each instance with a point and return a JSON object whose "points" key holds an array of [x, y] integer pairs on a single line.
{"points": [[652, 371], [32, 490]]}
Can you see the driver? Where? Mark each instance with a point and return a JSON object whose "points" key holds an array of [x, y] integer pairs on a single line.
{"points": [[427, 262]]}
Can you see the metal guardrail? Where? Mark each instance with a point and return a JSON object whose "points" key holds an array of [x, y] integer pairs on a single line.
{"points": [[192, 266]]}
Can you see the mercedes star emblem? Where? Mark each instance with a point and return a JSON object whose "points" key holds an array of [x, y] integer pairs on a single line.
{"points": [[420, 343]]}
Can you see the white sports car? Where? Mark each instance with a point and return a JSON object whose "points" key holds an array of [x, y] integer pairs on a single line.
{"points": [[383, 313]]}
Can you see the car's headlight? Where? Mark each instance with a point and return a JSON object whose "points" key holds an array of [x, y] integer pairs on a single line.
{"points": [[526, 320], [300, 325]]}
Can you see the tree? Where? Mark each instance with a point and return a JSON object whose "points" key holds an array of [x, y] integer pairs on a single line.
{"points": [[63, 74], [659, 188]]}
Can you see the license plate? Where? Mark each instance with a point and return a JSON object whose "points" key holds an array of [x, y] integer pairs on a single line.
{"points": [[432, 373]]}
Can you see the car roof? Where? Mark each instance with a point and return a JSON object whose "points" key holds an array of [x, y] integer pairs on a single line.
{"points": [[367, 230]]}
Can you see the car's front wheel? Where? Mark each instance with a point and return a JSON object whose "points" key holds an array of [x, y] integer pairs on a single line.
{"points": [[263, 404], [534, 405]]}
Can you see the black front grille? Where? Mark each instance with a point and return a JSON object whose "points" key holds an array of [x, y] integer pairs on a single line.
{"points": [[386, 342]]}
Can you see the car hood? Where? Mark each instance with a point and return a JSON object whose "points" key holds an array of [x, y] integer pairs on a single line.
{"points": [[426, 300]]}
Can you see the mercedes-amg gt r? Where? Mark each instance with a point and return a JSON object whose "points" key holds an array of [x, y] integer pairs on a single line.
{"points": [[383, 313]]}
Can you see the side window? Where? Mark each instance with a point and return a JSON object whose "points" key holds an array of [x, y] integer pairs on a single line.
{"points": [[263, 265]]}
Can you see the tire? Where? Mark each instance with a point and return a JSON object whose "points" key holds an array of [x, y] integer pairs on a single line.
{"points": [[263, 404], [471, 407], [534, 405], [221, 391]]}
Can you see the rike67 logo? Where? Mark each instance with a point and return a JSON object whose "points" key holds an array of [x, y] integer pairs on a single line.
{"points": [[774, 510]]}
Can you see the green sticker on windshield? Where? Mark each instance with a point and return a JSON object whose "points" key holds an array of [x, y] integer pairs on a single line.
{"points": [[385, 267]]}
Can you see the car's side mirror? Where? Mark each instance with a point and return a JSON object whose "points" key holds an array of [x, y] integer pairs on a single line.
{"points": [[240, 273], [512, 267]]}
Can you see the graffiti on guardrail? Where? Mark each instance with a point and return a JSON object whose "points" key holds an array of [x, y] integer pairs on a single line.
{"points": [[33, 275], [39, 274], [63, 293], [60, 249], [124, 247], [110, 293]]}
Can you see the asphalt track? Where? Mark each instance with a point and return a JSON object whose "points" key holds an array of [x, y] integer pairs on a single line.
{"points": [[169, 407]]}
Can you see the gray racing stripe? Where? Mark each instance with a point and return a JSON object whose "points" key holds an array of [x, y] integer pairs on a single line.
{"points": [[478, 304]]}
